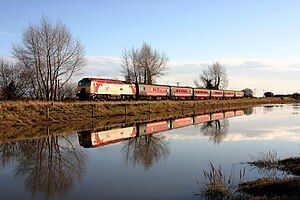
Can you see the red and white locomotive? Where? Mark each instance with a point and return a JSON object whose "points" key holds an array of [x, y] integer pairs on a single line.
{"points": [[107, 89], [90, 88]]}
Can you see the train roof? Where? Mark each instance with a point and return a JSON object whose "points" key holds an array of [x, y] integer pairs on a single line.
{"points": [[181, 86], [166, 85], [105, 79], [154, 84], [229, 91], [201, 88]]}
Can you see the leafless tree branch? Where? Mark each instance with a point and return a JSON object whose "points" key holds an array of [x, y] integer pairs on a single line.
{"points": [[143, 65], [53, 56]]}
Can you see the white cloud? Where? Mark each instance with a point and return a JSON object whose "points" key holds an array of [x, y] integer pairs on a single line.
{"points": [[278, 133], [102, 67], [279, 75]]}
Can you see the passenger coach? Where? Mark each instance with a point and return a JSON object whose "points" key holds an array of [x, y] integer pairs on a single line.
{"points": [[216, 94], [201, 94], [228, 94], [156, 92], [184, 93]]}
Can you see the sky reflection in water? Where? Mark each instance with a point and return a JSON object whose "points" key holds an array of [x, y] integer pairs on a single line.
{"points": [[145, 166]]}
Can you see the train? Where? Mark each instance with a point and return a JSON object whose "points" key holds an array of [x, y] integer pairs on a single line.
{"points": [[109, 89], [97, 138]]}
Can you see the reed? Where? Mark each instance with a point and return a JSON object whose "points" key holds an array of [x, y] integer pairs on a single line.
{"points": [[265, 160], [219, 184]]}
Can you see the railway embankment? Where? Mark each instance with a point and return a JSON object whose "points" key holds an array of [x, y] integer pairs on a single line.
{"points": [[20, 113]]}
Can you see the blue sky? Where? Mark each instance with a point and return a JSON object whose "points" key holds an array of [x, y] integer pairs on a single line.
{"points": [[189, 31]]}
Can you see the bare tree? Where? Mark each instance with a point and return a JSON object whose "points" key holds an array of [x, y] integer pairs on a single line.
{"points": [[53, 56], [143, 65], [130, 65], [214, 77], [14, 80]]}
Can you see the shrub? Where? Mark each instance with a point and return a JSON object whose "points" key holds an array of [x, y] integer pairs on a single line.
{"points": [[268, 94]]}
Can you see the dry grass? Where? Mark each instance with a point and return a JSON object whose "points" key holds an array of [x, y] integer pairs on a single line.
{"points": [[35, 112], [267, 160], [270, 161]]}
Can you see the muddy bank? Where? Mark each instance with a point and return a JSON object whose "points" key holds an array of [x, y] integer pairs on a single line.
{"points": [[33, 113], [272, 188]]}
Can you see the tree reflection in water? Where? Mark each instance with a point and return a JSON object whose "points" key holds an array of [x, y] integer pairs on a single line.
{"points": [[145, 150], [8, 152], [248, 111], [216, 130], [50, 165]]}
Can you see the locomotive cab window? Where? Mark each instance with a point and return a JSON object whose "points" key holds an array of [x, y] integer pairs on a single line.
{"points": [[84, 82]]}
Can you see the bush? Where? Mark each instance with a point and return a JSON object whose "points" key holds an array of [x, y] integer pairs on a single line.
{"points": [[296, 95], [268, 94]]}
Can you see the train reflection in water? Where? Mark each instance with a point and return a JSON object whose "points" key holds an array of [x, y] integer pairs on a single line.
{"points": [[92, 138]]}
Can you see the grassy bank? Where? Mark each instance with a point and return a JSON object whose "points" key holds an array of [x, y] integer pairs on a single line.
{"points": [[32, 112], [16, 133]]}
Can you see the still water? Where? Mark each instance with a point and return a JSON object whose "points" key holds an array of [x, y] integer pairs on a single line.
{"points": [[157, 160]]}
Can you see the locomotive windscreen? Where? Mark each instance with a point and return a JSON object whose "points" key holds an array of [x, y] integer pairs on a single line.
{"points": [[84, 82]]}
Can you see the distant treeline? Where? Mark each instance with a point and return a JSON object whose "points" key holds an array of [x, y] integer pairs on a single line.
{"points": [[294, 96]]}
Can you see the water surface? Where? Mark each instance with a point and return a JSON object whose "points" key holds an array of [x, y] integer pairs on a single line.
{"points": [[157, 160]]}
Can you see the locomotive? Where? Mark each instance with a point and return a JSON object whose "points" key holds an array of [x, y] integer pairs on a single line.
{"points": [[108, 89]]}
